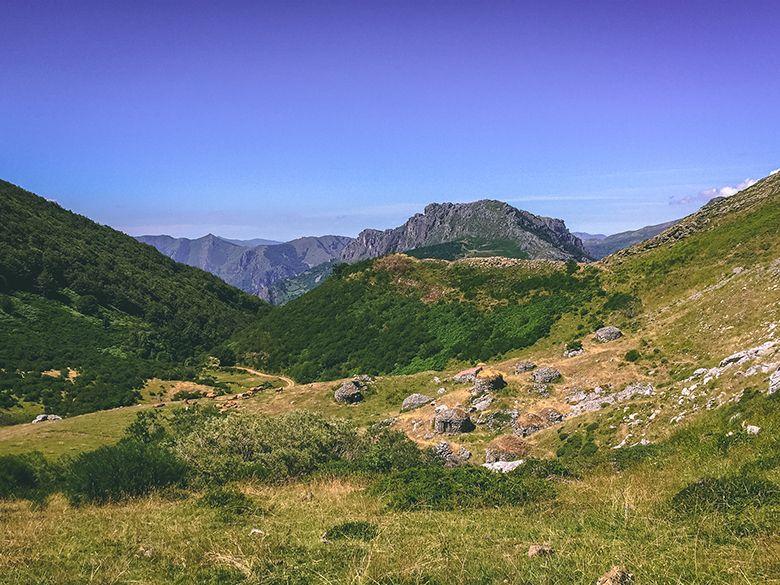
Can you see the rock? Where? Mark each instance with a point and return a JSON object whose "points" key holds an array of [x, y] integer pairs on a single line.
{"points": [[468, 375], [774, 382], [256, 532], [349, 392], [551, 415], [546, 375], [414, 401], [617, 575], [540, 550], [506, 448], [443, 450], [608, 333], [482, 403], [498, 420], [503, 466], [486, 381], [441, 391], [46, 417], [524, 366], [452, 420], [752, 429], [529, 423], [542, 390], [567, 353]]}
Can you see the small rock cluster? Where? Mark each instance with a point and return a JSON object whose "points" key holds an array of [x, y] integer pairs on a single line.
{"points": [[546, 375], [524, 366], [468, 375], [607, 334], [46, 417], [351, 391], [444, 451], [414, 401], [451, 421]]}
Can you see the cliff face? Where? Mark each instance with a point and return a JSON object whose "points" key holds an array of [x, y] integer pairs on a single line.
{"points": [[539, 237]]}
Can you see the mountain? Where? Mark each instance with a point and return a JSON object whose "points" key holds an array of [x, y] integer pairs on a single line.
{"points": [[599, 245], [252, 269], [83, 296], [253, 242], [486, 220]]}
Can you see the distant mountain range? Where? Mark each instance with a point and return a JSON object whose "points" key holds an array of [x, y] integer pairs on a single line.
{"points": [[599, 245], [279, 272]]}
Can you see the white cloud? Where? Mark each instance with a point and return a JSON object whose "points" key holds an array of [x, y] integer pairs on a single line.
{"points": [[707, 194]]}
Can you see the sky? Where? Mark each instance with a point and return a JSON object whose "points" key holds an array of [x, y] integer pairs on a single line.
{"points": [[283, 119]]}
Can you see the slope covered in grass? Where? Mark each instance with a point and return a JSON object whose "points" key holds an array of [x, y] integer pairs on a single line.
{"points": [[78, 295]]}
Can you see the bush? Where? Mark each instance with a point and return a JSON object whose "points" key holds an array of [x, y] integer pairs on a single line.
{"points": [[632, 355], [433, 487], [381, 451], [116, 472], [27, 477], [726, 494], [359, 530], [628, 457], [230, 503], [270, 449]]}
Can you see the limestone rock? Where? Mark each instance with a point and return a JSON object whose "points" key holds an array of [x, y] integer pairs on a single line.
{"points": [[349, 392], [608, 333], [451, 458], [46, 417], [503, 466], [774, 382], [482, 402], [468, 375], [506, 448], [529, 423], [486, 381], [414, 401], [524, 366], [546, 375], [452, 420]]}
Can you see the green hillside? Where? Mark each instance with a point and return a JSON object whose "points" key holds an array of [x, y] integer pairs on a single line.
{"points": [[81, 296]]}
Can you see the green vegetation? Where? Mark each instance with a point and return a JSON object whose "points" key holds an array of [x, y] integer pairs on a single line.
{"points": [[471, 248], [400, 315], [74, 294]]}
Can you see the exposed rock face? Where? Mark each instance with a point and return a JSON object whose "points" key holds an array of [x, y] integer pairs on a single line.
{"points": [[506, 448], [546, 375], [468, 375], [774, 382], [616, 576], [414, 401], [539, 237], [482, 402], [46, 417], [573, 352], [349, 392], [499, 419], [444, 451], [524, 366], [597, 399], [486, 381], [452, 420], [503, 466], [608, 333]]}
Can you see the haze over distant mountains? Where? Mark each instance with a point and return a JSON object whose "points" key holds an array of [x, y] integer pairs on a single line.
{"points": [[279, 272]]}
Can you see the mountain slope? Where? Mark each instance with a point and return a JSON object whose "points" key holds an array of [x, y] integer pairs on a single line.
{"points": [[599, 246], [252, 269], [79, 295], [440, 223]]}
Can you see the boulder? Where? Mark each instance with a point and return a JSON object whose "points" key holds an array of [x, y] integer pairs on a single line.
{"points": [[503, 466], [575, 351], [617, 575], [529, 423], [546, 375], [468, 375], [486, 381], [524, 366], [482, 403], [46, 417], [540, 550], [414, 401], [452, 420], [551, 415], [506, 448], [608, 333], [451, 458], [349, 392], [774, 382]]}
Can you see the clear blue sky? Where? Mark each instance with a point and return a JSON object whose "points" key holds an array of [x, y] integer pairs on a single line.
{"points": [[291, 118]]}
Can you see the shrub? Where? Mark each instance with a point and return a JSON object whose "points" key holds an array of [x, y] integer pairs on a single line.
{"points": [[632, 355], [116, 472], [628, 457], [26, 476], [359, 530], [433, 487], [266, 448], [726, 494], [381, 451], [230, 503]]}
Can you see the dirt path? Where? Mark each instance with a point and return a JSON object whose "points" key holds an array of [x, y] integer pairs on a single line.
{"points": [[287, 381]]}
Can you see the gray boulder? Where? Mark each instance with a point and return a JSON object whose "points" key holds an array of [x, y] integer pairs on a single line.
{"points": [[546, 375], [452, 420], [485, 381], [608, 333], [443, 450], [774, 382], [46, 417], [414, 401], [524, 366], [349, 392]]}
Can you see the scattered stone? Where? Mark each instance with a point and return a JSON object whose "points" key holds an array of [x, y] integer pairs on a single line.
{"points": [[524, 366], [46, 417], [540, 550], [608, 333], [486, 381], [596, 400], [452, 420], [546, 375], [542, 390], [503, 466], [436, 380], [568, 353], [443, 450], [617, 575], [468, 375], [742, 356], [752, 429], [499, 419], [506, 448], [349, 392], [414, 401], [441, 391], [774, 382]]}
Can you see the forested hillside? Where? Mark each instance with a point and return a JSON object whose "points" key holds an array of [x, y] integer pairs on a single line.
{"points": [[78, 295]]}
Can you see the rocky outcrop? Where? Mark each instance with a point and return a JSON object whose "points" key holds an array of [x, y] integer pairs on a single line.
{"points": [[774, 382], [468, 375], [414, 401], [598, 399], [524, 366], [538, 237], [451, 458], [45, 418], [350, 392], [503, 466], [451, 421], [607, 334], [487, 381], [546, 375], [506, 448]]}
